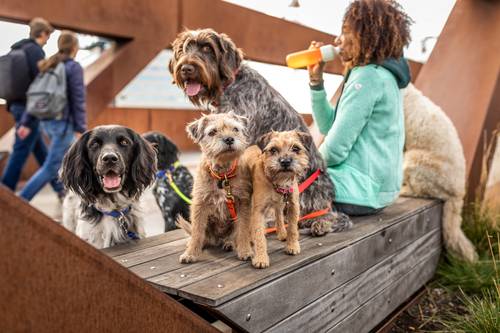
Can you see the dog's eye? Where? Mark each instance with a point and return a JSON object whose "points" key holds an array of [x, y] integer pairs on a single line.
{"points": [[124, 142], [206, 49], [273, 150], [94, 145], [295, 149], [236, 129], [212, 132]]}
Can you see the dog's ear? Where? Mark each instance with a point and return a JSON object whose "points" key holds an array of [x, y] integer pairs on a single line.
{"points": [[305, 138], [177, 46], [195, 129], [143, 167], [263, 140], [77, 173], [231, 57]]}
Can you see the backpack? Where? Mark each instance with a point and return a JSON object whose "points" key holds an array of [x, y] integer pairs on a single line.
{"points": [[15, 74], [46, 96]]}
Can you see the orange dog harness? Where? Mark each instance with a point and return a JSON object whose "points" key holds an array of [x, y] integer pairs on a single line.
{"points": [[223, 183]]}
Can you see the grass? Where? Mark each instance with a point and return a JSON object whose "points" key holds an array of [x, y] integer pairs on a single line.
{"points": [[478, 284], [483, 314]]}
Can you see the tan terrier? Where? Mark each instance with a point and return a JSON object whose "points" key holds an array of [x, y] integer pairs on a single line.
{"points": [[222, 188], [276, 168]]}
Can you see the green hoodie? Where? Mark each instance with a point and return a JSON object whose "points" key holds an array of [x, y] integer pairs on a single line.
{"points": [[364, 134]]}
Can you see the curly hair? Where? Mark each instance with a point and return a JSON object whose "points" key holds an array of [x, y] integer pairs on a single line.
{"points": [[381, 30]]}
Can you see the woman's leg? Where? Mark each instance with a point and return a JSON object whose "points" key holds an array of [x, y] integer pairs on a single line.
{"points": [[60, 142], [355, 210]]}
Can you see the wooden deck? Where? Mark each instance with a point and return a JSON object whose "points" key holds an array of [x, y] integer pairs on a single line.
{"points": [[344, 282]]}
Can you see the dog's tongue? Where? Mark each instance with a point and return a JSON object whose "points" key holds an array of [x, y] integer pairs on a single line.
{"points": [[193, 88], [111, 180]]}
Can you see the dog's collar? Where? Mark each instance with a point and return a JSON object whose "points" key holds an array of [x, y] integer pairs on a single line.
{"points": [[115, 213], [283, 190], [171, 168], [120, 216], [225, 175]]}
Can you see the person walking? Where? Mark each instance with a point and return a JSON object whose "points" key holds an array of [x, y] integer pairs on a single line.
{"points": [[40, 31], [60, 131]]}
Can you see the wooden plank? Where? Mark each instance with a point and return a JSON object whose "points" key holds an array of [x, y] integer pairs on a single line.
{"points": [[133, 246], [221, 288], [375, 310], [151, 253], [331, 308], [214, 261], [345, 264]]}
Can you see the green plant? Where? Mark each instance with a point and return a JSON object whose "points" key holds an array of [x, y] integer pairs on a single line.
{"points": [[483, 314]]}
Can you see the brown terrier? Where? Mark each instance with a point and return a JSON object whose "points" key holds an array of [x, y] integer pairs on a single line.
{"points": [[222, 188], [275, 174]]}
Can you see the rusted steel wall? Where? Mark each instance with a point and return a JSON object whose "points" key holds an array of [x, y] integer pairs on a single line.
{"points": [[51, 281], [462, 74]]}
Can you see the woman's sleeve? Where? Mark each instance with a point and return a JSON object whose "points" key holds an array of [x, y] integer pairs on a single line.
{"points": [[76, 98], [354, 111], [323, 112]]}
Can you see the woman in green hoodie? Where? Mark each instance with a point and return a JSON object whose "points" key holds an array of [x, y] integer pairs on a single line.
{"points": [[364, 131]]}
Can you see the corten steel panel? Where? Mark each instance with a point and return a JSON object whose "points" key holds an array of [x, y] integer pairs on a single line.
{"points": [[51, 281], [143, 29], [461, 75]]}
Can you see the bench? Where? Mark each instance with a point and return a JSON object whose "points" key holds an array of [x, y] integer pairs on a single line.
{"points": [[342, 282]]}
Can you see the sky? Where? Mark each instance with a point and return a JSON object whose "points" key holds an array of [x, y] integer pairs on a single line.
{"points": [[152, 87]]}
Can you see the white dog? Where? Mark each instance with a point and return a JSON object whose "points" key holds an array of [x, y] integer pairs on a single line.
{"points": [[434, 165]]}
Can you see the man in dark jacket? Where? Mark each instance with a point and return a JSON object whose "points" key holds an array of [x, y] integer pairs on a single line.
{"points": [[40, 31]]}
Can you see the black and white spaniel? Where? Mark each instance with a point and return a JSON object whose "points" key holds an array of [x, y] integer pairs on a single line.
{"points": [[105, 171]]}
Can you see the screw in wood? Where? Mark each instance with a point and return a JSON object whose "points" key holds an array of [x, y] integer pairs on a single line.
{"points": [[390, 240], [249, 316], [124, 260], [333, 272], [380, 219], [152, 267], [220, 286], [320, 244], [183, 275]]}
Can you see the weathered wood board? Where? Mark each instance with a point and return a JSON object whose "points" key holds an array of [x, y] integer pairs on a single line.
{"points": [[321, 289]]}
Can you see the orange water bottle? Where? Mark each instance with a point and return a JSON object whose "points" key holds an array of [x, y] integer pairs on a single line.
{"points": [[310, 57]]}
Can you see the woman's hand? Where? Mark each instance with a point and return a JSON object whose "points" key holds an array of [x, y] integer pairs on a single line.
{"points": [[23, 132], [316, 70]]}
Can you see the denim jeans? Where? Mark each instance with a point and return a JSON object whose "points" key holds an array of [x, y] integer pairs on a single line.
{"points": [[21, 150], [61, 136], [355, 210]]}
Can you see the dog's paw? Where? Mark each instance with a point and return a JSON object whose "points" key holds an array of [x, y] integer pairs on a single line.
{"points": [[228, 246], [293, 249], [320, 227], [187, 258], [281, 235], [260, 262], [244, 255]]}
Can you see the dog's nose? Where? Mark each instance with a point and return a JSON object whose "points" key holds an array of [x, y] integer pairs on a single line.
{"points": [[229, 140], [110, 158], [285, 162], [187, 69]]}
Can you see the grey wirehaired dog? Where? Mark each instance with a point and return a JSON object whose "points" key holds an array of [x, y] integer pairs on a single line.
{"points": [[209, 68]]}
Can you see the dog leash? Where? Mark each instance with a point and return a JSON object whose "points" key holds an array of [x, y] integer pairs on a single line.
{"points": [[168, 173], [119, 215], [302, 187], [223, 183]]}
